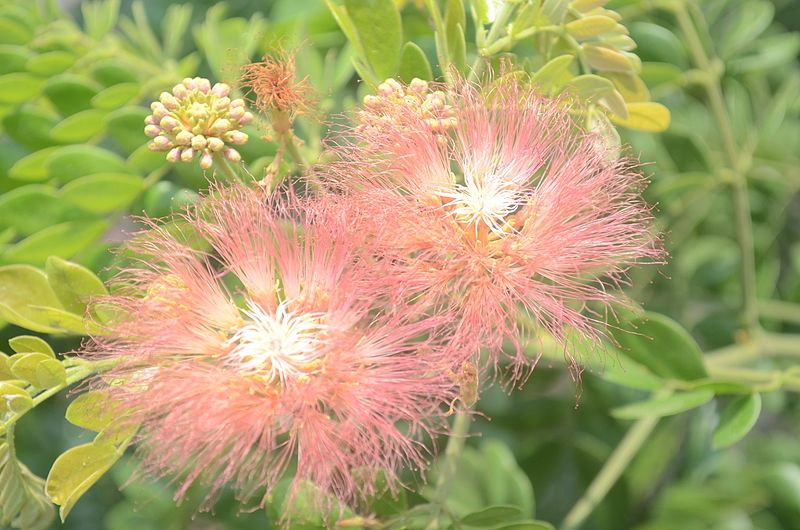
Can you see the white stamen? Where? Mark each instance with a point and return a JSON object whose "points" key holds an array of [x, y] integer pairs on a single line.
{"points": [[489, 198], [279, 347]]}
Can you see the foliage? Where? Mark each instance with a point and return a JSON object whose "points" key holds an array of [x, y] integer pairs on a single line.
{"points": [[687, 420]]}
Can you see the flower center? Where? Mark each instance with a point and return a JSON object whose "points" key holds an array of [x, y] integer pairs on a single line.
{"points": [[279, 346], [484, 200]]}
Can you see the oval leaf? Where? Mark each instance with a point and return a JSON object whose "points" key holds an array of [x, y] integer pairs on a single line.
{"points": [[663, 406], [661, 345], [736, 420], [31, 344], [103, 192], [645, 116], [380, 32], [75, 471]]}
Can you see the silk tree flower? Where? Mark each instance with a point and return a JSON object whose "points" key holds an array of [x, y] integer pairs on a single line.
{"points": [[517, 224], [197, 119], [268, 352]]}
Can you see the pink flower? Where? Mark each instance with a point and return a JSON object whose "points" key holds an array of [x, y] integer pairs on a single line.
{"points": [[269, 350], [517, 220]]}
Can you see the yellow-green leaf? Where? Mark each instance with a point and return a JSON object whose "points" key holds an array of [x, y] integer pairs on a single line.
{"points": [[75, 471], [13, 398], [663, 406], [645, 116], [103, 192], [25, 365], [30, 344], [589, 27], [116, 96], [92, 410], [80, 127], [606, 59]]}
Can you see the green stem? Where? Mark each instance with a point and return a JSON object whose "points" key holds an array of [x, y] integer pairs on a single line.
{"points": [[442, 52], [221, 163], [779, 310], [447, 471], [608, 476], [741, 200], [494, 34], [81, 372]]}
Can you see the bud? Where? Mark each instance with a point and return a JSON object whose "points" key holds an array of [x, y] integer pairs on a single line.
{"points": [[206, 160], [232, 155], [174, 155], [197, 118]]}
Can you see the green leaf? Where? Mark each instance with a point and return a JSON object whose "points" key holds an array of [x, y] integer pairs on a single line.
{"points": [[783, 481], [30, 344], [73, 284], [589, 27], [607, 59], [50, 63], [62, 321], [13, 58], [73, 161], [71, 93], [32, 167], [655, 43], [750, 20], [38, 369], [31, 208], [22, 500], [103, 192], [5, 368], [14, 399], [554, 73], [555, 10], [661, 345], [125, 127], [645, 116], [492, 516], [30, 127], [631, 375], [20, 286], [593, 88], [455, 20], [413, 63], [663, 406], [75, 471], [380, 32], [736, 420], [18, 87], [63, 240], [488, 476], [80, 127], [14, 32], [116, 96], [526, 525], [92, 410]]}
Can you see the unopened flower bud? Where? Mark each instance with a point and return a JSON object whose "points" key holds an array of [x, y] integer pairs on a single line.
{"points": [[418, 86], [168, 100], [187, 155], [162, 143], [246, 118], [206, 160], [237, 103], [189, 83], [180, 91], [174, 155], [152, 130], [222, 104], [215, 144], [168, 123], [199, 142], [221, 125], [236, 137], [236, 114], [159, 110], [184, 138], [221, 90], [203, 85], [232, 155]]}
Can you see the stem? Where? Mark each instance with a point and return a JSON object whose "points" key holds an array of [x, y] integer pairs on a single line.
{"points": [[741, 200], [608, 476], [221, 163], [440, 35], [80, 373], [497, 26], [779, 310], [452, 455]]}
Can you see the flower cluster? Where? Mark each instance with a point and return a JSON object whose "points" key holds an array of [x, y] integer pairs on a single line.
{"points": [[406, 106], [299, 362], [332, 334], [277, 91], [196, 118], [518, 224]]}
